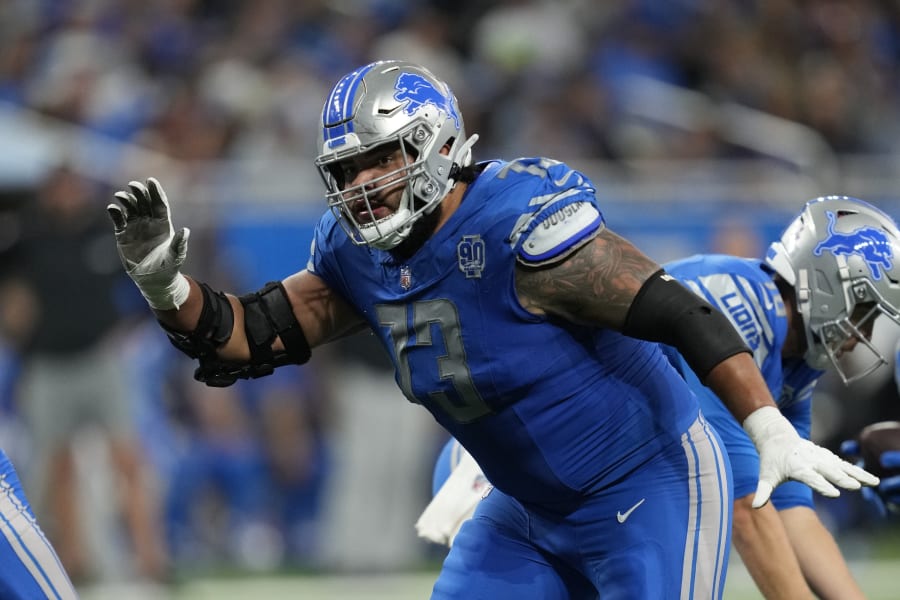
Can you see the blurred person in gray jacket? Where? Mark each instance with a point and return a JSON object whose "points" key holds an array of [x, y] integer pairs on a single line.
{"points": [[60, 284]]}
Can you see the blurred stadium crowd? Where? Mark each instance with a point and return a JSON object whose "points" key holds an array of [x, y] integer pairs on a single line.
{"points": [[241, 476], [205, 79]]}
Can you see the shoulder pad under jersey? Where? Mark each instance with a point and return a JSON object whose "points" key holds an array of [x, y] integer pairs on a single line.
{"points": [[561, 215], [557, 230]]}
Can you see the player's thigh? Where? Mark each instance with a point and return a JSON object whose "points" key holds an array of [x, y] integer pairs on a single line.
{"points": [[665, 531], [29, 567], [491, 558]]}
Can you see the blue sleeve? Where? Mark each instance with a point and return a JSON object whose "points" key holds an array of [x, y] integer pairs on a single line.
{"points": [[318, 262], [800, 415], [791, 494], [327, 252]]}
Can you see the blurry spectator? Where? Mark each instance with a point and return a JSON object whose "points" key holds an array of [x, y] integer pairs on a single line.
{"points": [[62, 320], [129, 69], [424, 38], [217, 490], [289, 412], [16, 49], [540, 36], [248, 483], [736, 236]]}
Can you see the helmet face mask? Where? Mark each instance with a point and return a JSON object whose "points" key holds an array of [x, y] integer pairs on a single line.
{"points": [[840, 256], [348, 201], [834, 338], [404, 106]]}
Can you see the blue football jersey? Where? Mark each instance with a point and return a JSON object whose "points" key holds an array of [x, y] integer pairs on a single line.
{"points": [[743, 289], [550, 410]]}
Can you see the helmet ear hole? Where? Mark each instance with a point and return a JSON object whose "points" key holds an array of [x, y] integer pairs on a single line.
{"points": [[823, 284], [448, 146], [336, 172]]}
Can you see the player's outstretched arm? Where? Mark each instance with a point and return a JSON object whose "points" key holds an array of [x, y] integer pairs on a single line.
{"points": [[783, 454], [610, 283], [232, 336]]}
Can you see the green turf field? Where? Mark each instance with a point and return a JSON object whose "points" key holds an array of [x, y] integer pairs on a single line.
{"points": [[874, 558], [880, 580]]}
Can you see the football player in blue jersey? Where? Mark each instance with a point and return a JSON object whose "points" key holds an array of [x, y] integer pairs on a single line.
{"points": [[29, 566], [885, 498], [814, 298], [524, 325]]}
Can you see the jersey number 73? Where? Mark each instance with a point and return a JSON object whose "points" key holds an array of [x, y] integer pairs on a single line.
{"points": [[418, 321]]}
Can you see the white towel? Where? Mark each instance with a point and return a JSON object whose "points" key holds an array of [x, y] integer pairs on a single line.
{"points": [[454, 503]]}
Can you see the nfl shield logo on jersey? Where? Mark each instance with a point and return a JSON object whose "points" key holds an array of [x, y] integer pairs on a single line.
{"points": [[405, 277], [470, 252]]}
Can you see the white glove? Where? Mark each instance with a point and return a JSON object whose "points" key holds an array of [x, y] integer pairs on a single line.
{"points": [[454, 503], [151, 251], [784, 455]]}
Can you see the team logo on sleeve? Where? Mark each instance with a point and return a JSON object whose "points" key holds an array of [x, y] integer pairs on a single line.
{"points": [[868, 242], [470, 252], [418, 92]]}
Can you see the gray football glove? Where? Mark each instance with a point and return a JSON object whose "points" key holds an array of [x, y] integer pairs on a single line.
{"points": [[151, 251]]}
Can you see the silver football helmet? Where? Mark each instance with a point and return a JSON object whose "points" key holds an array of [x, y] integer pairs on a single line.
{"points": [[840, 254], [397, 103]]}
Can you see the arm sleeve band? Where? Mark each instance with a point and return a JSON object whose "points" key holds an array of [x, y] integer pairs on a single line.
{"points": [[666, 311], [267, 315]]}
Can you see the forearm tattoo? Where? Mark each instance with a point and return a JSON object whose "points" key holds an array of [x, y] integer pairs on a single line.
{"points": [[594, 286]]}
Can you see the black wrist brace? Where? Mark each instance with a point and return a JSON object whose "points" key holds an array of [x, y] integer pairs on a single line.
{"points": [[213, 327]]}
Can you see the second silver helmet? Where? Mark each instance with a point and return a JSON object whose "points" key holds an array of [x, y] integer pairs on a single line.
{"points": [[840, 255]]}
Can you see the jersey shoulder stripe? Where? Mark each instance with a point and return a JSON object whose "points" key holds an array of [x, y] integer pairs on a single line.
{"points": [[558, 230], [556, 209]]}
